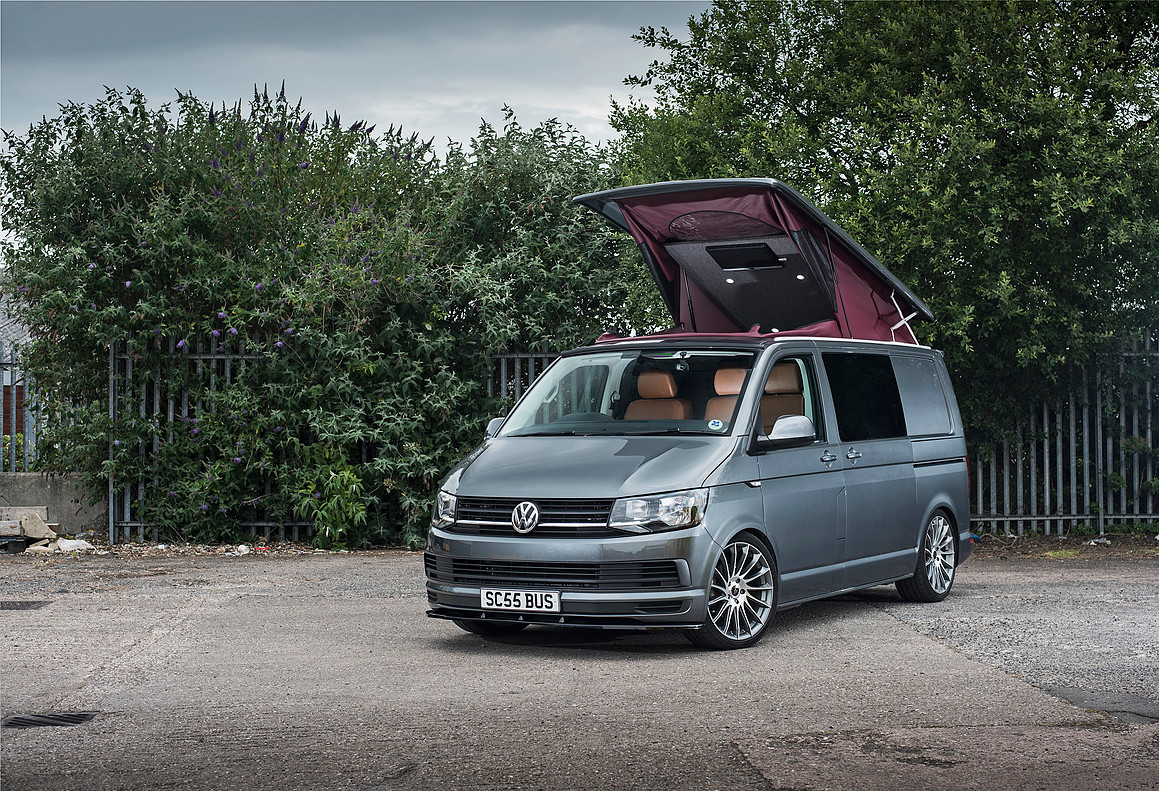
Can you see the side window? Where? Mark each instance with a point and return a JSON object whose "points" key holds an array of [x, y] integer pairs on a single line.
{"points": [[923, 396], [790, 389], [865, 396]]}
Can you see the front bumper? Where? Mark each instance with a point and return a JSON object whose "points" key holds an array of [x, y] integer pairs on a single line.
{"points": [[631, 582]]}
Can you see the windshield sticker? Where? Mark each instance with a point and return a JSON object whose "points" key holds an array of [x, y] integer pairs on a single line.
{"points": [[715, 425]]}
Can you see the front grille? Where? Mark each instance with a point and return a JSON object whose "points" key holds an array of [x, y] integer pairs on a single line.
{"points": [[483, 516], [626, 575]]}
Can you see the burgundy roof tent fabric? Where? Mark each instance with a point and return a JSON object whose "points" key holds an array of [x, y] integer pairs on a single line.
{"points": [[755, 256]]}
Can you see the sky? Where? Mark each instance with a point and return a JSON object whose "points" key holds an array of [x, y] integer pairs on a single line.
{"points": [[436, 68]]}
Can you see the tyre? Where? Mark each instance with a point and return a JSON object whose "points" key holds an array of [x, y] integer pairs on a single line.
{"points": [[742, 595], [937, 559], [489, 628]]}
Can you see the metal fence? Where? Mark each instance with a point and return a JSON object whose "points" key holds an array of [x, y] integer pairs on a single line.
{"points": [[513, 373], [163, 400], [1088, 459], [18, 448]]}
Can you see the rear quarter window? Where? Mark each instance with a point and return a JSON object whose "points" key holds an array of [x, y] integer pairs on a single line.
{"points": [[923, 396]]}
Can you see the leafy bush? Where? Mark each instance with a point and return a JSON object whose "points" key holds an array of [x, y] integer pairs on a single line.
{"points": [[366, 282]]}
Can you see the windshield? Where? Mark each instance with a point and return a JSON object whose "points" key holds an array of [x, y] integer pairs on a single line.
{"points": [[634, 392]]}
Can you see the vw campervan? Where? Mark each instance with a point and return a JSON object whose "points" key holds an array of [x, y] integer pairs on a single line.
{"points": [[787, 440]]}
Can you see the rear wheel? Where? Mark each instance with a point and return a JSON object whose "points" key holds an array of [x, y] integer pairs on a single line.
{"points": [[489, 628], [742, 595], [937, 559]]}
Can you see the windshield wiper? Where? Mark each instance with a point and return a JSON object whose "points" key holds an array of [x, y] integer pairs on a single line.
{"points": [[658, 431]]}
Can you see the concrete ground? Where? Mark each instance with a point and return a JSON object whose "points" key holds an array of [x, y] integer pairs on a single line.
{"points": [[322, 672]]}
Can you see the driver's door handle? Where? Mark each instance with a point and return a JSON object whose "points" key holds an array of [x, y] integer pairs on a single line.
{"points": [[853, 454], [828, 458]]}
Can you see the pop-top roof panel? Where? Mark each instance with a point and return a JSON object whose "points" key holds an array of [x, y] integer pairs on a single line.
{"points": [[734, 255]]}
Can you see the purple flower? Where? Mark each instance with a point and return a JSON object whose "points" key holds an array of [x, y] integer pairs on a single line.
{"points": [[213, 163], [303, 165], [290, 331], [365, 257], [277, 429], [128, 283], [232, 331], [373, 282], [143, 243], [217, 193], [222, 509], [317, 495], [258, 287], [204, 507], [116, 442], [196, 431], [278, 344], [92, 266], [23, 289], [216, 333], [220, 315], [172, 494], [237, 459], [181, 344], [409, 278]]}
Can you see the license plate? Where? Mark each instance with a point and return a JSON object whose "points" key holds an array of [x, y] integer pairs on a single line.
{"points": [[523, 601]]}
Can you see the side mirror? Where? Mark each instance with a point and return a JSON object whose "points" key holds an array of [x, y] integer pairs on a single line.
{"points": [[790, 431], [493, 427]]}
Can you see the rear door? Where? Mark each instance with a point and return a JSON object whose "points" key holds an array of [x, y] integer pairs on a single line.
{"points": [[877, 458]]}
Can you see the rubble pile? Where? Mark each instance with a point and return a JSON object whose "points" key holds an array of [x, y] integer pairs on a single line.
{"points": [[29, 532]]}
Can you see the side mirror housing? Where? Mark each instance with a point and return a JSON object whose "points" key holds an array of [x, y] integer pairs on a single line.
{"points": [[493, 427], [790, 431]]}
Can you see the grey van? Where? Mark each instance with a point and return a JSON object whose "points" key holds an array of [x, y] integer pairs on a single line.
{"points": [[786, 441]]}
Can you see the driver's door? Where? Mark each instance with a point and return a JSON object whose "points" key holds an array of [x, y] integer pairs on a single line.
{"points": [[803, 488]]}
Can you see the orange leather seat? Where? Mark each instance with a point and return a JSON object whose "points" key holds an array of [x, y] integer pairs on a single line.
{"points": [[727, 384], [783, 394], [658, 399]]}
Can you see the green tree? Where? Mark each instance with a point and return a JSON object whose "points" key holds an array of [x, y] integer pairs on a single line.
{"points": [[367, 281], [1001, 158]]}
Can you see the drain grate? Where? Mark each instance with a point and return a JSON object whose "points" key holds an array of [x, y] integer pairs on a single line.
{"points": [[22, 605], [62, 720]]}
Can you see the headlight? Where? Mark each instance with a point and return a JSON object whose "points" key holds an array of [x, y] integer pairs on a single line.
{"points": [[662, 512], [444, 510]]}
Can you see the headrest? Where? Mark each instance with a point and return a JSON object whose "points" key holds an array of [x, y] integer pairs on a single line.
{"points": [[728, 381], [656, 384], [784, 378]]}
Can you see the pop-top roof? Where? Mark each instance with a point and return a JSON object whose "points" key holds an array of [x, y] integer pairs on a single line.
{"points": [[755, 256]]}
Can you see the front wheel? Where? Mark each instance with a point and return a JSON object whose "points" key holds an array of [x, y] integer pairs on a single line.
{"points": [[934, 575], [742, 595], [489, 628]]}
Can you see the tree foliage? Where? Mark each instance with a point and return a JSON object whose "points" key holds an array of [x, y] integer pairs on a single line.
{"points": [[368, 281], [1001, 158]]}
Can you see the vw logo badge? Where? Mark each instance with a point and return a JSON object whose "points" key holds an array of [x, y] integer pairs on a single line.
{"points": [[525, 517]]}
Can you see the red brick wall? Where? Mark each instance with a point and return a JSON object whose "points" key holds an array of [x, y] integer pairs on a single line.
{"points": [[6, 402]]}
